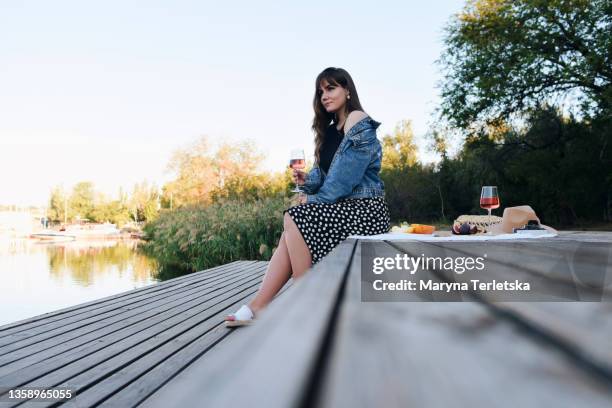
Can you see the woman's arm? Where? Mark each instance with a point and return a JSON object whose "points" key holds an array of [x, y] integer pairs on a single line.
{"points": [[340, 182]]}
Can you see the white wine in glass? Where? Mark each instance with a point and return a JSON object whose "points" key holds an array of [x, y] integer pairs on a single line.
{"points": [[297, 161]]}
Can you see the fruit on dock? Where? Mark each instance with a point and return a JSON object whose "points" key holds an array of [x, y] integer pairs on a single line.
{"points": [[405, 228], [423, 229], [414, 228], [464, 229]]}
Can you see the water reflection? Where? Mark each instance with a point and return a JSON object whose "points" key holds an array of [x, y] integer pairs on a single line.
{"points": [[84, 260], [38, 277]]}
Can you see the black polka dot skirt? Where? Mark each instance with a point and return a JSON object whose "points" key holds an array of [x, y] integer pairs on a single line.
{"points": [[324, 226]]}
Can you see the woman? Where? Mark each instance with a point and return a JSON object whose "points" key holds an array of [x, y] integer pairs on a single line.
{"points": [[343, 194]]}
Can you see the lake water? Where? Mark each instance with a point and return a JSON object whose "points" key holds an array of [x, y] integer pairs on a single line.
{"points": [[37, 278]]}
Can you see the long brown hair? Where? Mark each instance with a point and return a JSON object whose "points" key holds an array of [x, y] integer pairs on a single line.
{"points": [[322, 118]]}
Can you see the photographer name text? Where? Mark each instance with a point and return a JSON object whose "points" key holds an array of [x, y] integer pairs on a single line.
{"points": [[448, 287]]}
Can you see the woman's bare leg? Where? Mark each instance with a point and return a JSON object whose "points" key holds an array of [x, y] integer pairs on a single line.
{"points": [[291, 255], [299, 254], [278, 273]]}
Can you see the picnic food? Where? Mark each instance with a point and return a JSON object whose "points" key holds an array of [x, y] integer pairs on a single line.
{"points": [[414, 228], [464, 229], [473, 224], [423, 229], [404, 228]]}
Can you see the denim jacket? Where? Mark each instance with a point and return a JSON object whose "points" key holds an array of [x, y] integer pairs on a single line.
{"points": [[353, 172]]}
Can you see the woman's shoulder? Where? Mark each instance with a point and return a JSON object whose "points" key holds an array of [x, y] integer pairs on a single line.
{"points": [[353, 117]]}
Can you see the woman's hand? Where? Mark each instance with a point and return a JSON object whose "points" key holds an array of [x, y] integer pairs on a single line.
{"points": [[298, 177]]}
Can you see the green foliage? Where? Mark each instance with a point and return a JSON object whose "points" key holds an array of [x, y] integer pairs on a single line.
{"points": [[506, 63], [558, 165], [114, 212], [86, 203], [255, 187], [218, 209], [57, 209], [411, 189], [82, 200], [412, 193], [144, 202], [503, 57], [201, 172], [196, 238], [399, 149]]}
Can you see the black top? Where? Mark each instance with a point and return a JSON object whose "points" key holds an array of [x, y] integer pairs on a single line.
{"points": [[333, 137]]}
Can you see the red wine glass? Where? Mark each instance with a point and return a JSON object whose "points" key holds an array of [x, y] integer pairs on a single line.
{"points": [[297, 161], [489, 199]]}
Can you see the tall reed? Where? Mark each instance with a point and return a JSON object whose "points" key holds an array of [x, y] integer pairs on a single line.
{"points": [[197, 238]]}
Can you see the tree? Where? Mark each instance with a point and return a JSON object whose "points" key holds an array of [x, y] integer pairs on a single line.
{"points": [[200, 171], [113, 211], [409, 186], [194, 174], [505, 56], [144, 202], [399, 150], [235, 160], [82, 200], [57, 209]]}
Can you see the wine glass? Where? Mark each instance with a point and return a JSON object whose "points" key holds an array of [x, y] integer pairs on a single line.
{"points": [[489, 199], [297, 161]]}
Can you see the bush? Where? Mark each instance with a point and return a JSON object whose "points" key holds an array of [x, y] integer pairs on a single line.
{"points": [[412, 194], [197, 238]]}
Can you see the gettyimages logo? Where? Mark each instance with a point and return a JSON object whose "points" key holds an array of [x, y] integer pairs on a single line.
{"points": [[412, 265]]}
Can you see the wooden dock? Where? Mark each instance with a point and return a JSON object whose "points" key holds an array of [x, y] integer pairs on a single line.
{"points": [[319, 344]]}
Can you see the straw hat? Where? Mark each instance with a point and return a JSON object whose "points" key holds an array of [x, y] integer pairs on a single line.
{"points": [[516, 217]]}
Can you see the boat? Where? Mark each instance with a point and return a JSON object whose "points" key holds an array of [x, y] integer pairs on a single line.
{"points": [[52, 235], [78, 231], [106, 230]]}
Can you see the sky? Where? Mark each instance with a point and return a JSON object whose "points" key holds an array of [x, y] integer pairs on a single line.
{"points": [[106, 91]]}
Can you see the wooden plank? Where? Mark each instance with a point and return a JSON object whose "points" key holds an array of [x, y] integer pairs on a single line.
{"points": [[272, 362], [109, 302], [47, 318], [116, 309], [61, 336], [91, 344], [585, 236], [87, 371], [128, 330], [555, 260], [438, 354], [115, 332], [552, 264], [199, 335], [582, 330], [142, 388]]}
